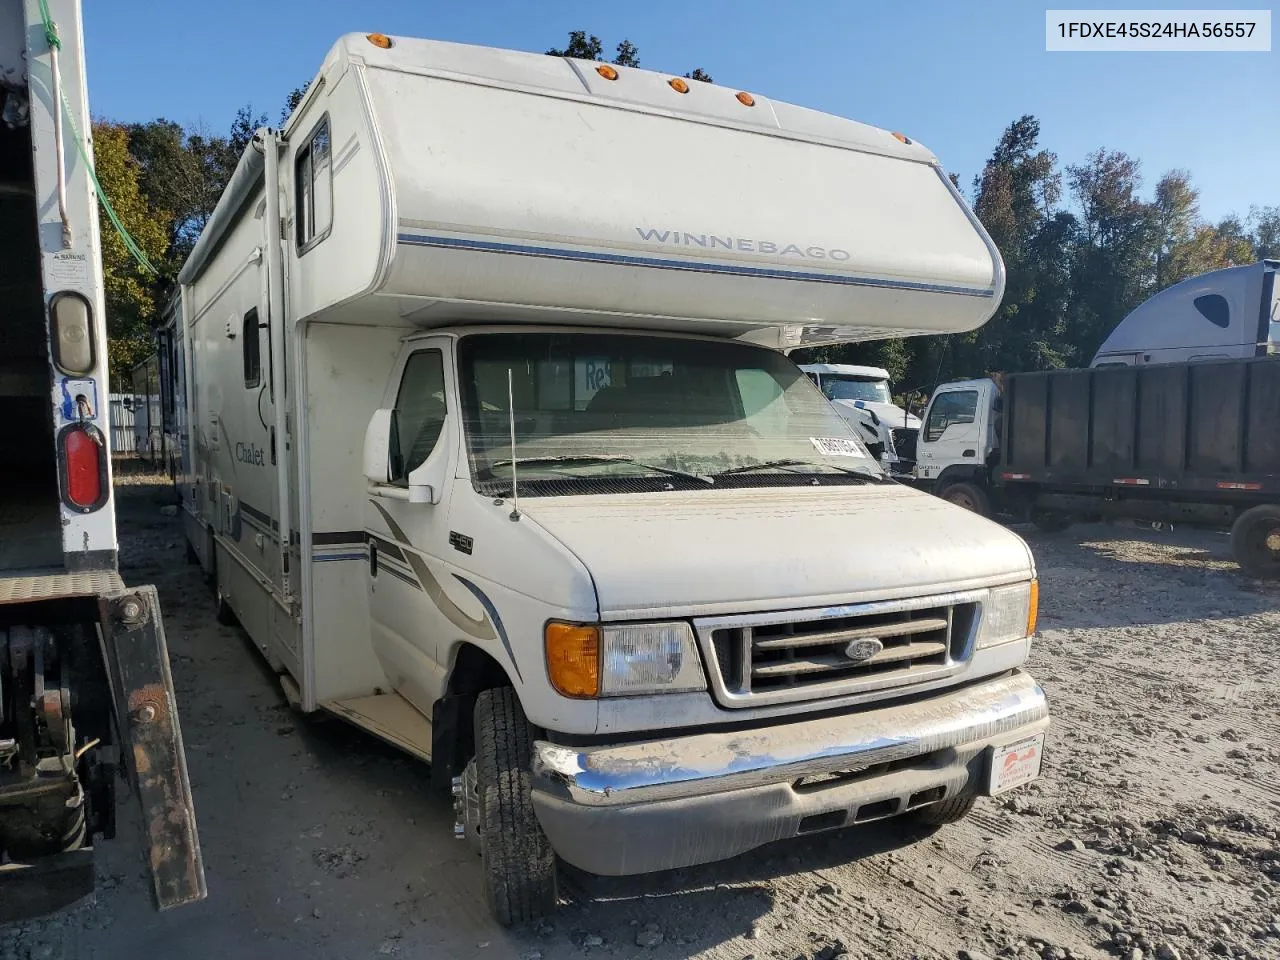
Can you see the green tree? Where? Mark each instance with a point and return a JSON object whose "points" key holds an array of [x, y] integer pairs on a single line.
{"points": [[1265, 224], [130, 297], [291, 102], [697, 73]]}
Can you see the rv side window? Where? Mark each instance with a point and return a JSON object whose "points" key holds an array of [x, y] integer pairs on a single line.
{"points": [[313, 179], [251, 345], [949, 408], [420, 410]]}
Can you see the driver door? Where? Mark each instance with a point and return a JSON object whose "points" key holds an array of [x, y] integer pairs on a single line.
{"points": [[407, 573], [950, 433]]}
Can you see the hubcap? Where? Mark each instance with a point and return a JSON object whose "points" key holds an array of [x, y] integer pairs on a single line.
{"points": [[1273, 541]]}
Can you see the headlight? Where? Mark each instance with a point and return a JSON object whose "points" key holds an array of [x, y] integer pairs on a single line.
{"points": [[649, 658], [1009, 613], [625, 660]]}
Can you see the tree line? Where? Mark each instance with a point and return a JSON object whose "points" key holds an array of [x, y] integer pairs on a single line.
{"points": [[1082, 244]]}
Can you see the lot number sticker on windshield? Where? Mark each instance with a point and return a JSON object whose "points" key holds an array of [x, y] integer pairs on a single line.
{"points": [[835, 447]]}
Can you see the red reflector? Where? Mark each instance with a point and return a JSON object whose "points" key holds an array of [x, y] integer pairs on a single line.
{"points": [[1017, 476], [1132, 481], [82, 456], [1235, 485]]}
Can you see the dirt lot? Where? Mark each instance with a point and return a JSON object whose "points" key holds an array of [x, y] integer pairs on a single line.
{"points": [[1155, 832]]}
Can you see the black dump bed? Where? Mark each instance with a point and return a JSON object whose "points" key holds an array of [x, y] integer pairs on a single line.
{"points": [[1207, 427]]}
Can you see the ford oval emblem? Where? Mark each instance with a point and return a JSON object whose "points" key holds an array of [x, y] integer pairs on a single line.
{"points": [[864, 648]]}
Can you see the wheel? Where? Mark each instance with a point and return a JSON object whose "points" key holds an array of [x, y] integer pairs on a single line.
{"points": [[968, 495], [519, 864], [945, 811], [1255, 541], [1050, 522], [222, 611]]}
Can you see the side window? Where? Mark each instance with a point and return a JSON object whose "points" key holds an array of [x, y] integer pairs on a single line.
{"points": [[251, 345], [420, 410], [949, 408], [313, 179]]}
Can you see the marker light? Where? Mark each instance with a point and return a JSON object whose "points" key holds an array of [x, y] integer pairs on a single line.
{"points": [[902, 138], [746, 99], [573, 659], [379, 40], [678, 85], [607, 72], [71, 322], [84, 485]]}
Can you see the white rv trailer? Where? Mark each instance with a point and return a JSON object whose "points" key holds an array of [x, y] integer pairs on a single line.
{"points": [[494, 452], [1233, 312], [85, 689]]}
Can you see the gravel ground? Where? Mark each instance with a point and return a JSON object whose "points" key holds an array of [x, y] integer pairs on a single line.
{"points": [[1155, 832]]}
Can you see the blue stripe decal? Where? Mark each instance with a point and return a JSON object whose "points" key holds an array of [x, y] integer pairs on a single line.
{"points": [[490, 609], [593, 256], [338, 556]]}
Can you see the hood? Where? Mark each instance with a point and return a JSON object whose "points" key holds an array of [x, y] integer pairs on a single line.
{"points": [[890, 413], [699, 553]]}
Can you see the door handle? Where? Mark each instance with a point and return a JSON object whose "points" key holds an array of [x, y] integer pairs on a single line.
{"points": [[373, 559], [969, 453]]}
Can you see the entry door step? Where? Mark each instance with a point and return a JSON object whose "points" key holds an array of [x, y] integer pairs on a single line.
{"points": [[389, 717]]}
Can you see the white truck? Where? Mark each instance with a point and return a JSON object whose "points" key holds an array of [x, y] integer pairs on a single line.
{"points": [[494, 451], [1233, 312], [85, 689], [862, 396]]}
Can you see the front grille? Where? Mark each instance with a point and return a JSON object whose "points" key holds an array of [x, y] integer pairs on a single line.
{"points": [[831, 652], [904, 442]]}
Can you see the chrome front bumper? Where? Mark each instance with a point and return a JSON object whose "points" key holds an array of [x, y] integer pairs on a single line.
{"points": [[638, 807]]}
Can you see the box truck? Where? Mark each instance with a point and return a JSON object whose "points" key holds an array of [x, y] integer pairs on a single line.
{"points": [[1177, 442], [85, 689], [494, 450]]}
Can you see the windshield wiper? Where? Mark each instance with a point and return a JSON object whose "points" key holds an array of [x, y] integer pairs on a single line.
{"points": [[782, 464], [596, 458]]}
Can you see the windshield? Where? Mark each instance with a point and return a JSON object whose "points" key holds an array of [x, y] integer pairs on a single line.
{"points": [[844, 387], [594, 409]]}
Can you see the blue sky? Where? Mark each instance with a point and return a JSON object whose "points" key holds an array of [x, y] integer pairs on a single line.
{"points": [[952, 74]]}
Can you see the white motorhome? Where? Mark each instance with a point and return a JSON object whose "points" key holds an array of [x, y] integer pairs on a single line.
{"points": [[862, 396], [1222, 314], [494, 451]]}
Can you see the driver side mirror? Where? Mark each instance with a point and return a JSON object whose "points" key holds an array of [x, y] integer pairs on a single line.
{"points": [[378, 467]]}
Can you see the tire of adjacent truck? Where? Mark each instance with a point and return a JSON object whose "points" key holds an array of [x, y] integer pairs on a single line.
{"points": [[946, 811], [519, 864], [968, 495], [1255, 541]]}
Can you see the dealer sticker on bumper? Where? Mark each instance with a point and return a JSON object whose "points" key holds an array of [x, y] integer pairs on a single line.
{"points": [[1015, 764]]}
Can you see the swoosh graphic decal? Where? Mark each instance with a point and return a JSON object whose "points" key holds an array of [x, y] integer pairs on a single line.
{"points": [[480, 628], [497, 620]]}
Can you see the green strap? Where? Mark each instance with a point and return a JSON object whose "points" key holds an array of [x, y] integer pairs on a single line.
{"points": [[55, 43]]}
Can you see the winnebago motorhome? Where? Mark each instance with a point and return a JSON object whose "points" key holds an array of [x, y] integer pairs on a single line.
{"points": [[85, 689], [494, 451], [862, 396], [1234, 312]]}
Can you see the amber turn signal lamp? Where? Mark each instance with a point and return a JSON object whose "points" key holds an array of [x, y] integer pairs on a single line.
{"points": [[573, 659], [1033, 607]]}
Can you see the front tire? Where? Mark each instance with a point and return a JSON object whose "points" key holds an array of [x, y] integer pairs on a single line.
{"points": [[970, 496], [519, 864], [1255, 541]]}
